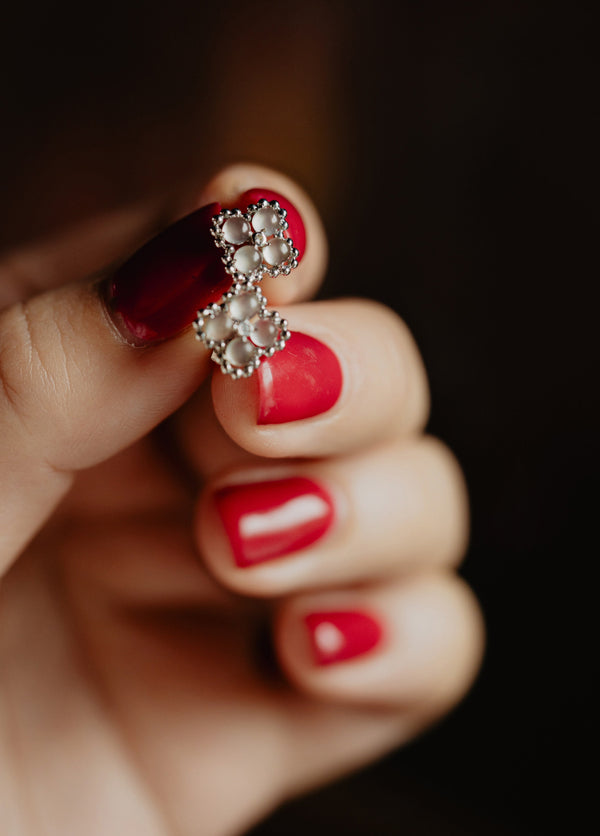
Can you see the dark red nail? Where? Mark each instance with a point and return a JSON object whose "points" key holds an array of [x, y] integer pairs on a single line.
{"points": [[302, 381], [157, 292], [266, 520], [296, 229], [337, 636]]}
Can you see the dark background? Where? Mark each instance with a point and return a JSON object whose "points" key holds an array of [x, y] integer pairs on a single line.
{"points": [[475, 131], [470, 131]]}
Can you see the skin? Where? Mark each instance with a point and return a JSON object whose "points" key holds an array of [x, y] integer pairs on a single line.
{"points": [[133, 697]]}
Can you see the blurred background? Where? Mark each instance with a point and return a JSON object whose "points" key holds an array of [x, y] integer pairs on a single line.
{"points": [[451, 149]]}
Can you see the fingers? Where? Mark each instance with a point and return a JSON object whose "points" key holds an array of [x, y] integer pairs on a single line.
{"points": [[237, 185], [414, 643], [74, 392], [279, 529], [140, 562], [350, 374]]}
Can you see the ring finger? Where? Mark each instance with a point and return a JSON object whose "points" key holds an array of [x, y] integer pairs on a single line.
{"points": [[275, 530]]}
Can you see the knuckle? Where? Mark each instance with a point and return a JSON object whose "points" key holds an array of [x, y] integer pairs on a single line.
{"points": [[35, 370], [468, 638], [450, 499], [16, 363], [454, 639], [403, 359]]}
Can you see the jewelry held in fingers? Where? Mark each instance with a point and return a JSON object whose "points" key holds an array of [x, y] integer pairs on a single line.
{"points": [[241, 331], [255, 242]]}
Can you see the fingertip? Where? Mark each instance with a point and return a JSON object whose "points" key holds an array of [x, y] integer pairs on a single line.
{"points": [[296, 227], [415, 643], [328, 642], [241, 182]]}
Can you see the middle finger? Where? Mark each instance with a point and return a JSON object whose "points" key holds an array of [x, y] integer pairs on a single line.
{"points": [[397, 508], [350, 376]]}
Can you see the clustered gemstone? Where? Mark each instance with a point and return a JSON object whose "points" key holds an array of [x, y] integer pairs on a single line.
{"points": [[236, 230], [255, 242], [240, 330]]}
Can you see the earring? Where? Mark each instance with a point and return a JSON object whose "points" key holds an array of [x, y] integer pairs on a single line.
{"points": [[239, 329]]}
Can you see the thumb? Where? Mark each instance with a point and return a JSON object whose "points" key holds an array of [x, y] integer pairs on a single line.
{"points": [[81, 379], [75, 391]]}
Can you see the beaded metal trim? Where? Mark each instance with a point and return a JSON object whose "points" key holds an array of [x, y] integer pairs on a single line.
{"points": [[261, 245], [240, 330]]}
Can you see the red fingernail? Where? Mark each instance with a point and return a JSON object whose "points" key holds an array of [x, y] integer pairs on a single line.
{"points": [[296, 229], [337, 636], [157, 292], [266, 520], [300, 382]]}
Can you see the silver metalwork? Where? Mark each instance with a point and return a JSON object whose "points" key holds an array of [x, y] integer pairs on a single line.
{"points": [[235, 328], [268, 243], [239, 329]]}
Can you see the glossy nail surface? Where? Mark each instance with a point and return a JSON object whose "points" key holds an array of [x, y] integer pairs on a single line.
{"points": [[157, 292], [337, 636], [302, 381], [268, 520]]}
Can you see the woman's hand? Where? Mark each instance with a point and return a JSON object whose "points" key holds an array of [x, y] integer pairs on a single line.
{"points": [[144, 572]]}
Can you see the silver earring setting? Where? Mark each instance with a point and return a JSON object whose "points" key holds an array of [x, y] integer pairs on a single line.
{"points": [[240, 330]]}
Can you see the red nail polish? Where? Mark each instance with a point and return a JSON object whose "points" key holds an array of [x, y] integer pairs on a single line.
{"points": [[296, 229], [266, 520], [337, 636], [157, 292], [302, 381]]}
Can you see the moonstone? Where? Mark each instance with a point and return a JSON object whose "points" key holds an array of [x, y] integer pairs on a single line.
{"points": [[236, 230], [240, 352], [244, 306], [276, 252], [219, 328], [266, 220], [246, 260], [265, 333]]}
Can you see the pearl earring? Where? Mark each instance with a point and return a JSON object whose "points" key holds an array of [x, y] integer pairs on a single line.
{"points": [[239, 329]]}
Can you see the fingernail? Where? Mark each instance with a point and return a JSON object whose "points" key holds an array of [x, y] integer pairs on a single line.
{"points": [[337, 636], [157, 292], [267, 520], [296, 229], [303, 381]]}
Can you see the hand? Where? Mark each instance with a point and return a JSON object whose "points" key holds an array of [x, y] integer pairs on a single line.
{"points": [[136, 693]]}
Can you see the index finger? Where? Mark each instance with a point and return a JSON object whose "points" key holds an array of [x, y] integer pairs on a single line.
{"points": [[242, 184]]}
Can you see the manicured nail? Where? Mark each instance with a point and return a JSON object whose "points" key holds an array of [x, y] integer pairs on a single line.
{"points": [[157, 292], [300, 382], [296, 229], [337, 636], [267, 520]]}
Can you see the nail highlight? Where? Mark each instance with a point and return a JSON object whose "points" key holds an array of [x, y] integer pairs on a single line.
{"points": [[338, 636], [303, 381], [268, 520]]}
